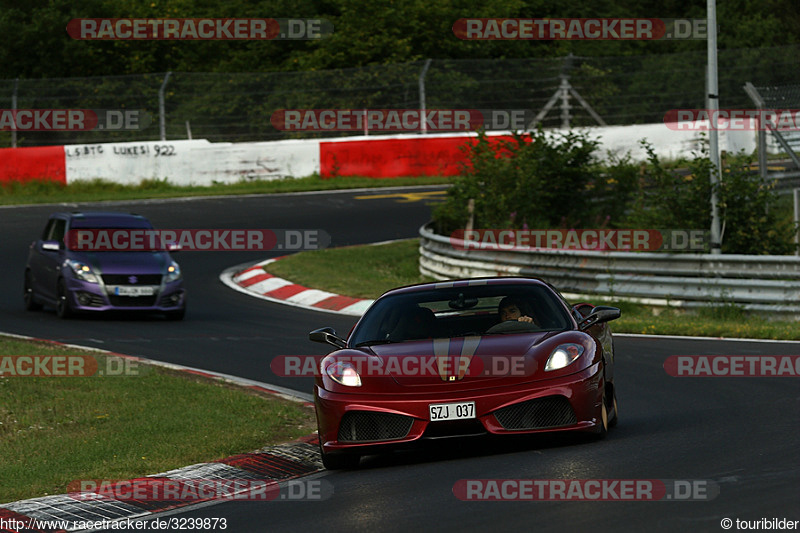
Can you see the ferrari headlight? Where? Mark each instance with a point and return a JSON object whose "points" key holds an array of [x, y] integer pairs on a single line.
{"points": [[563, 355], [173, 272], [82, 271], [343, 373]]}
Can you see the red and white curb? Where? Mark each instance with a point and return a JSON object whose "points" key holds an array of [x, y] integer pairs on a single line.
{"points": [[276, 464], [255, 281]]}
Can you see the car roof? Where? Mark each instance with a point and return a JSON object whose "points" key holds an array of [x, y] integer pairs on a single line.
{"points": [[97, 214], [103, 218], [468, 282]]}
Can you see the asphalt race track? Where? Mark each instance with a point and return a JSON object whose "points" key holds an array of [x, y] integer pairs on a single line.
{"points": [[224, 330], [740, 434]]}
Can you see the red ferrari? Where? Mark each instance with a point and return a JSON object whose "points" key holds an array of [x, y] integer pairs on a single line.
{"points": [[457, 358]]}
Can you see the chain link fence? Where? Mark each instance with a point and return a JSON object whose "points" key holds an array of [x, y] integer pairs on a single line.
{"points": [[783, 97], [237, 107]]}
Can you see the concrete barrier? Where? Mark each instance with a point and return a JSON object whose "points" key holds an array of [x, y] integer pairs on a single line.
{"points": [[35, 163], [389, 156], [196, 162], [199, 162]]}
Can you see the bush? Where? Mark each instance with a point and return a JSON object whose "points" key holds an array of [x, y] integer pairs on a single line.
{"points": [[555, 180], [671, 200], [539, 180], [749, 222]]}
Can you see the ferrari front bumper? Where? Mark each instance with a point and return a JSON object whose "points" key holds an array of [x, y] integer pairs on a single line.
{"points": [[357, 422]]}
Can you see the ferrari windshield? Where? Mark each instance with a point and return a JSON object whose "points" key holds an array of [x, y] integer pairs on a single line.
{"points": [[461, 311]]}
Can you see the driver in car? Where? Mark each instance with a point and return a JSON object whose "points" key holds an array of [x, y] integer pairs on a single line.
{"points": [[515, 309]]}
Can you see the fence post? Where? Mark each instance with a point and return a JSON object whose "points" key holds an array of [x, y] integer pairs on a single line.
{"points": [[564, 88], [565, 107], [422, 96], [752, 92], [162, 120]]}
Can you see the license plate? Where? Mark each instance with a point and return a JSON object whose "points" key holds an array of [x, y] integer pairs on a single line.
{"points": [[452, 411], [134, 291]]}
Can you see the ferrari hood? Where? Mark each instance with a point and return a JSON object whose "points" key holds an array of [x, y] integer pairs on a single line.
{"points": [[464, 360]]}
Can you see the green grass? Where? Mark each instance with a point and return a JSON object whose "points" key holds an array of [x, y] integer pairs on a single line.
{"points": [[359, 271], [55, 430], [719, 321], [37, 192], [368, 271]]}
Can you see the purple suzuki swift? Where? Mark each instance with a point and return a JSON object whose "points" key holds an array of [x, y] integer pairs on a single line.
{"points": [[74, 280]]}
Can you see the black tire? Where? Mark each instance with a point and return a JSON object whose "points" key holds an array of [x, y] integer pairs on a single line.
{"points": [[339, 461], [30, 299], [63, 307], [615, 418], [602, 428]]}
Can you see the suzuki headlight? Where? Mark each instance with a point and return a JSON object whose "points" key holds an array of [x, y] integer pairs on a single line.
{"points": [[173, 272], [563, 355], [82, 271]]}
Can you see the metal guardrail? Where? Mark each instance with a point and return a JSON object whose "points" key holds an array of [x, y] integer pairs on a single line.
{"points": [[758, 283]]}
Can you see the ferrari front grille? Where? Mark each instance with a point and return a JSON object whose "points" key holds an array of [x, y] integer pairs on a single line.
{"points": [[367, 426], [540, 413]]}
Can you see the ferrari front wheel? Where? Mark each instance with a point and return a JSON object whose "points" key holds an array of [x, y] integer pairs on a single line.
{"points": [[615, 412], [601, 430]]}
